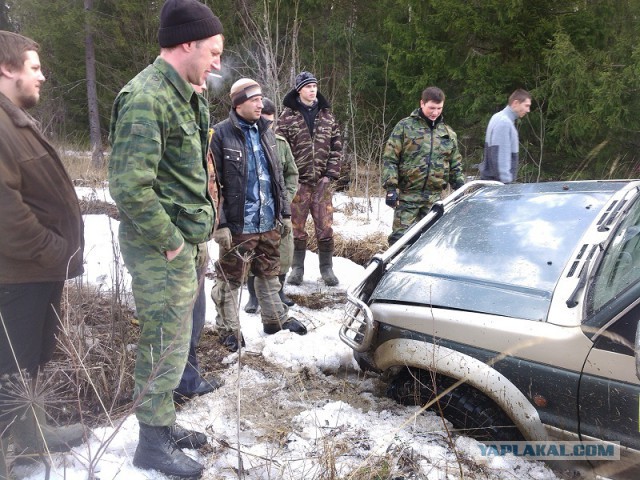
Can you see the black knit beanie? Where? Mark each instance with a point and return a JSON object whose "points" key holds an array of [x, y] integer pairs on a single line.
{"points": [[304, 78], [183, 21]]}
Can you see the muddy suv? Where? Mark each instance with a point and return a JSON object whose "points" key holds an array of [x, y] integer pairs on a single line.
{"points": [[513, 310]]}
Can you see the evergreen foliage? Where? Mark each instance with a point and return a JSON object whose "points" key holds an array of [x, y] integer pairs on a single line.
{"points": [[580, 59]]}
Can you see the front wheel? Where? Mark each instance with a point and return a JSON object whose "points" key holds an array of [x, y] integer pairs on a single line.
{"points": [[469, 411]]}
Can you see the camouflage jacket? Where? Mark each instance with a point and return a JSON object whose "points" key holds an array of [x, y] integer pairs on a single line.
{"points": [[289, 168], [158, 171], [315, 157], [420, 162]]}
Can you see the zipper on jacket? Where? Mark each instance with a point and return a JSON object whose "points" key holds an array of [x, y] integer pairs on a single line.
{"points": [[424, 185]]}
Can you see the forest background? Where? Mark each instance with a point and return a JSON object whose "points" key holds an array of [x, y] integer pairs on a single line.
{"points": [[580, 59]]}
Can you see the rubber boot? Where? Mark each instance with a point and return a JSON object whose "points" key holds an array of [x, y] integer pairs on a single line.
{"points": [[297, 265], [157, 450], [252, 304], [325, 255], [31, 433], [283, 296]]}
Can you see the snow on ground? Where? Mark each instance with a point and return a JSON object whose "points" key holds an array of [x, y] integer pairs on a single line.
{"points": [[304, 406]]}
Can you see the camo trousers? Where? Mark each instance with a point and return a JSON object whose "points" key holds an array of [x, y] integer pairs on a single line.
{"points": [[406, 215], [257, 252], [317, 200], [164, 293]]}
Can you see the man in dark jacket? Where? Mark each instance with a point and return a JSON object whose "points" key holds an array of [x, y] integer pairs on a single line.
{"points": [[41, 246], [254, 213], [312, 132]]}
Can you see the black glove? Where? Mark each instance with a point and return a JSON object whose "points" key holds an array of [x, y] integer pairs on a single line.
{"points": [[392, 198]]}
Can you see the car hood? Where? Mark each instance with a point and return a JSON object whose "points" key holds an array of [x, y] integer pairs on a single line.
{"points": [[501, 250]]}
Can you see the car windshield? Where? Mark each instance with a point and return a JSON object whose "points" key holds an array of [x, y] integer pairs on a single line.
{"points": [[500, 251], [620, 268]]}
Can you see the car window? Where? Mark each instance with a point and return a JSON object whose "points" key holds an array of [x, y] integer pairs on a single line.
{"points": [[620, 267]]}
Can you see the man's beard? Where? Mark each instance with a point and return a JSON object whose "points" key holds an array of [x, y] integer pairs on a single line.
{"points": [[25, 101]]}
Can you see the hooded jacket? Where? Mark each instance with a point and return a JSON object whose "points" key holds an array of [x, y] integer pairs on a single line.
{"points": [[228, 146], [318, 156], [42, 234]]}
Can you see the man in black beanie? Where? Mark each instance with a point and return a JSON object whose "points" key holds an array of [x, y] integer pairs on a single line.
{"points": [[313, 134], [158, 178]]}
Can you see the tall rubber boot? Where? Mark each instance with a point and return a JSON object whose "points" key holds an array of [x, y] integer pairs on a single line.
{"points": [[32, 434], [297, 265], [252, 304], [325, 255], [283, 296], [158, 450]]}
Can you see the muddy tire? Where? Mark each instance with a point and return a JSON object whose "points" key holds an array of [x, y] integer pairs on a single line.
{"points": [[470, 412]]}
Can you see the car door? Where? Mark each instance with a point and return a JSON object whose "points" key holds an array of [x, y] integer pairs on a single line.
{"points": [[608, 398]]}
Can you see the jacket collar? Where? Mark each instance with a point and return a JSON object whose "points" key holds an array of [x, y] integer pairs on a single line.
{"points": [[291, 100], [262, 123], [510, 113], [18, 116], [431, 123], [183, 87]]}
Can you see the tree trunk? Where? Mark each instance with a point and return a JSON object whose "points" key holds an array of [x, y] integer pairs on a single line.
{"points": [[95, 136]]}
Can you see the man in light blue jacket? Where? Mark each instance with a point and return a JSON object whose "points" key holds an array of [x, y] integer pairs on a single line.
{"points": [[501, 145]]}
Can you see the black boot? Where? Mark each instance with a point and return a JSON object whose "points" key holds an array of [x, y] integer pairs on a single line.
{"points": [[252, 304], [157, 450], [290, 324], [188, 438], [297, 266], [283, 297]]}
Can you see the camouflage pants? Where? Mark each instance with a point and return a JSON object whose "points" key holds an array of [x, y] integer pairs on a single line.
{"points": [[255, 252], [406, 215], [164, 293], [286, 253], [317, 200]]}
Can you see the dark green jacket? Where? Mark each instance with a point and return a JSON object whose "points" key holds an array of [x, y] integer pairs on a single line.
{"points": [[158, 171], [420, 162]]}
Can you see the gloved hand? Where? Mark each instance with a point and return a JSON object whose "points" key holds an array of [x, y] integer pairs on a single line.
{"points": [[287, 226], [222, 236], [392, 198]]}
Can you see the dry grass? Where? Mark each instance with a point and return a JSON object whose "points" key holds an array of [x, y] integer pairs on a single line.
{"points": [[358, 250], [78, 165], [94, 361]]}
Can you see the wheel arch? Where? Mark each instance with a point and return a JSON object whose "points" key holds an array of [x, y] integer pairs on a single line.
{"points": [[401, 352]]}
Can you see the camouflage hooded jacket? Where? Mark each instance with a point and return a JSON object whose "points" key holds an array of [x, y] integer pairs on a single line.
{"points": [[420, 162], [318, 156]]}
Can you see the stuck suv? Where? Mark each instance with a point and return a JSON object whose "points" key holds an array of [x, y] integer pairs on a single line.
{"points": [[513, 310]]}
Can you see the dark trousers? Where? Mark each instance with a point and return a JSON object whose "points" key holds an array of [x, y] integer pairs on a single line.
{"points": [[30, 314], [191, 377]]}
